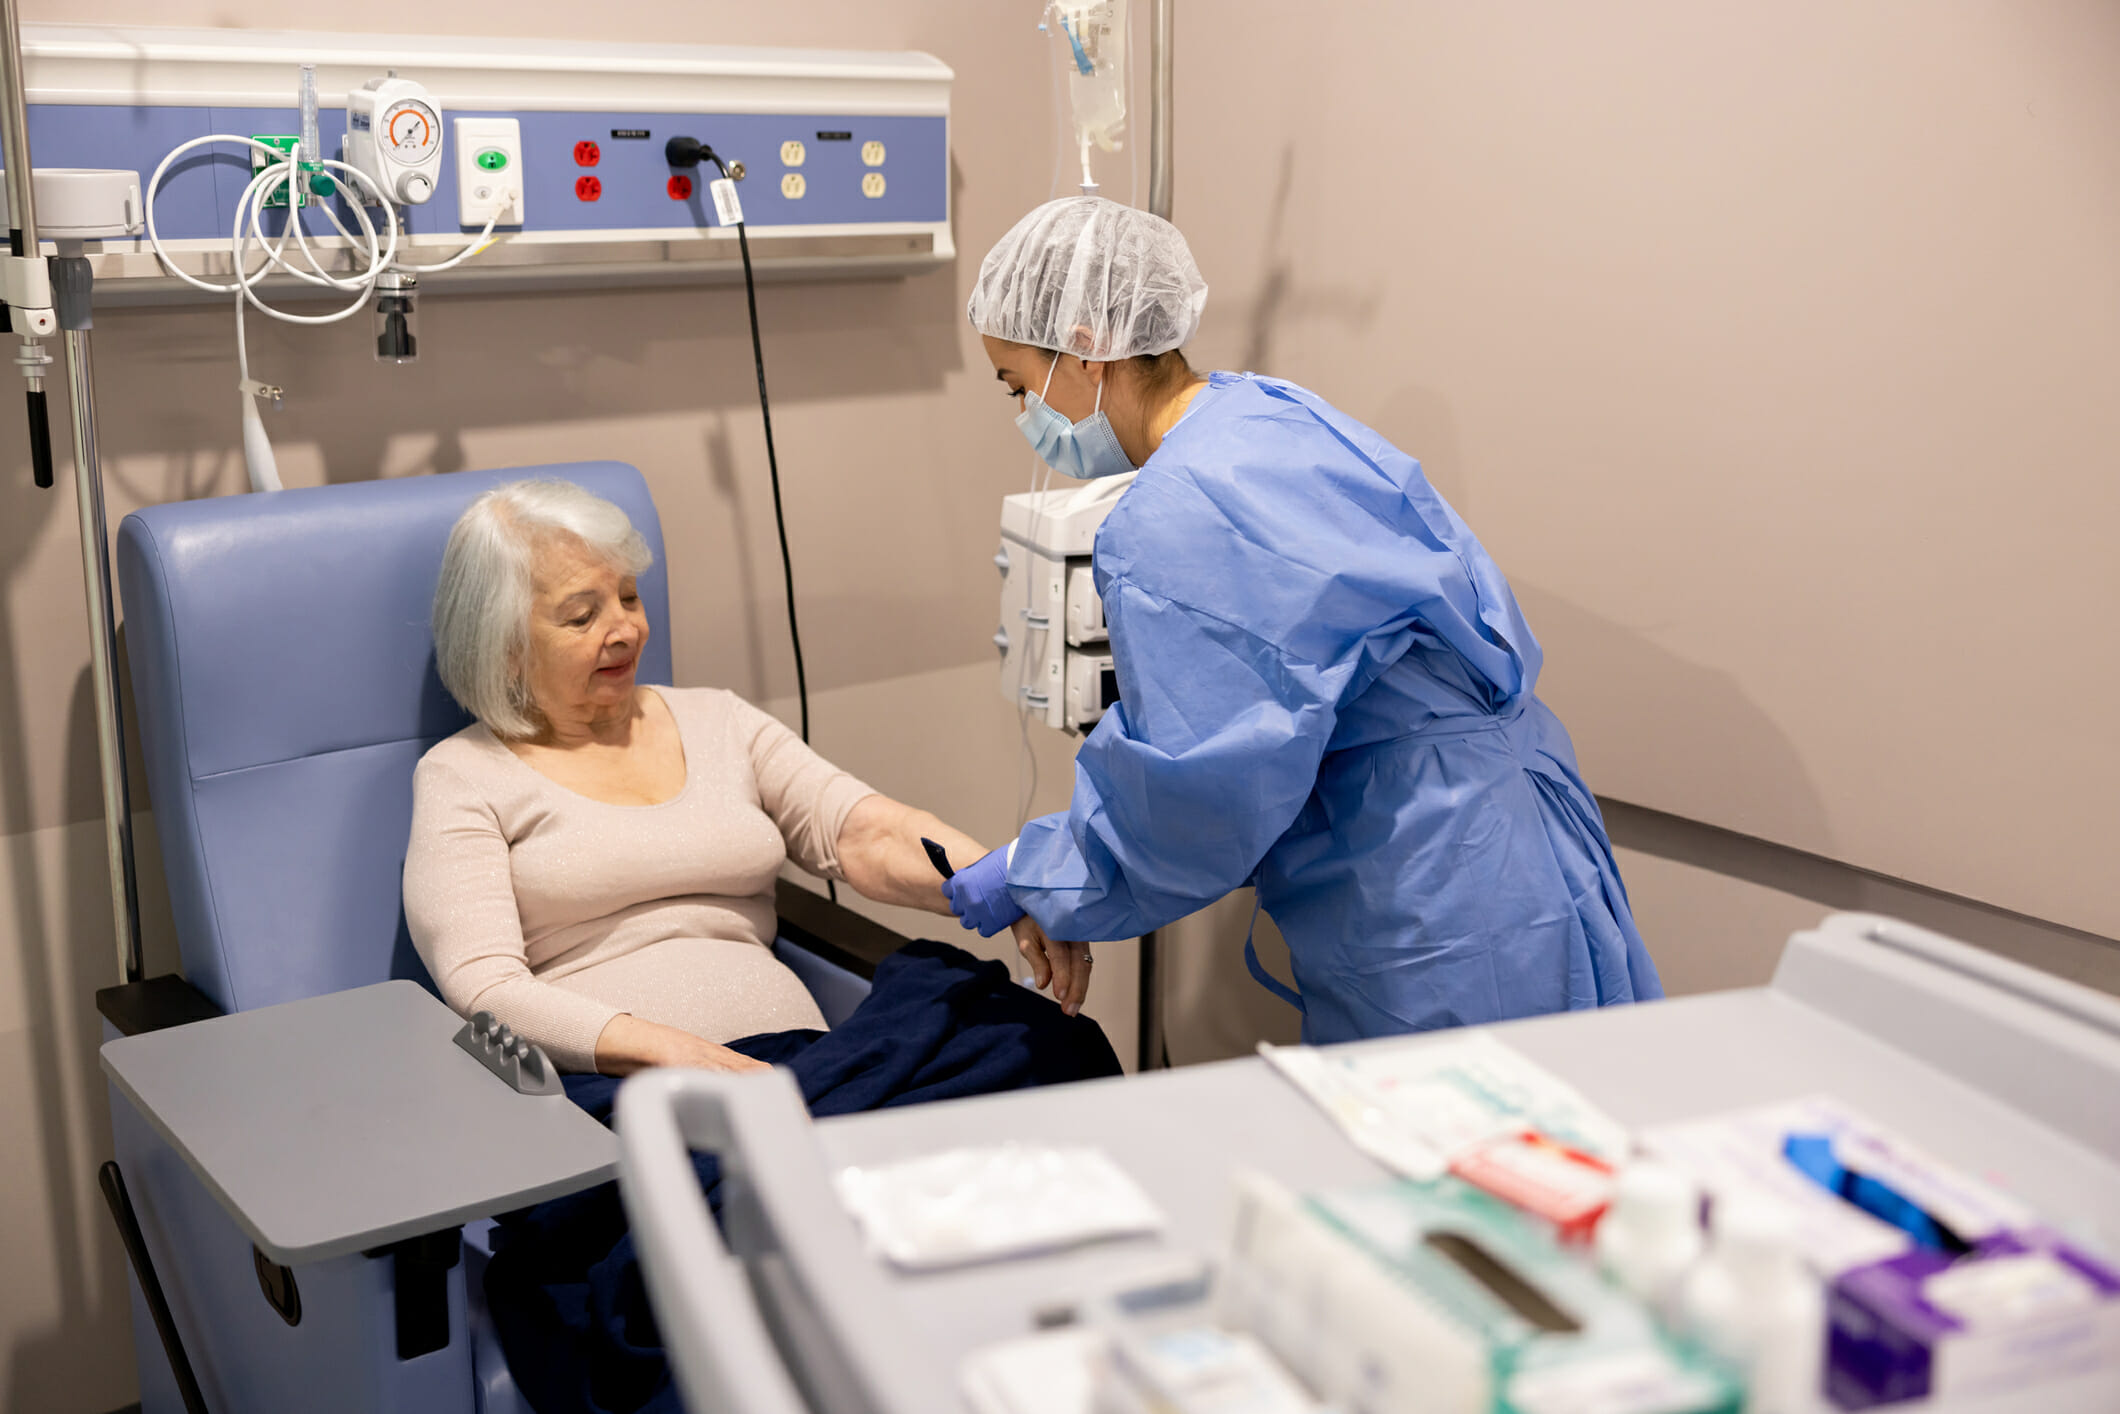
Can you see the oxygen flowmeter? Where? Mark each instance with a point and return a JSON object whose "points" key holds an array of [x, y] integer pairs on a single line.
{"points": [[394, 134]]}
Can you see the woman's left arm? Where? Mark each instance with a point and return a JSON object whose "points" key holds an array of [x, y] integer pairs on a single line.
{"points": [[877, 848], [882, 857]]}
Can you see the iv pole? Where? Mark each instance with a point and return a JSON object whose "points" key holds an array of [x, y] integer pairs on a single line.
{"points": [[44, 297], [1149, 1016]]}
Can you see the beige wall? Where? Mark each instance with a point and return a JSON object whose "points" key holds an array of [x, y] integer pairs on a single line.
{"points": [[1769, 347]]}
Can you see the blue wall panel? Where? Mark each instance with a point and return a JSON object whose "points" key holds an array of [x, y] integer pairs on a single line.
{"points": [[199, 195]]}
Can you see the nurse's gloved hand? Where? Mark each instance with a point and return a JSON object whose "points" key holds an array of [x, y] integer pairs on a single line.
{"points": [[979, 894]]}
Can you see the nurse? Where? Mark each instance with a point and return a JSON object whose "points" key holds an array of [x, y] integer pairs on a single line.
{"points": [[1326, 686]]}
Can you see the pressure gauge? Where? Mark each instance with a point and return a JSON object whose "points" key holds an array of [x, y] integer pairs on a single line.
{"points": [[394, 135], [411, 130]]}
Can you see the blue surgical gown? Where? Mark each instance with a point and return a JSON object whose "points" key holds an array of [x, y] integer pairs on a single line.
{"points": [[1327, 690]]}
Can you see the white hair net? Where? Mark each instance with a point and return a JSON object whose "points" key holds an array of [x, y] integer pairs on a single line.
{"points": [[1090, 277]]}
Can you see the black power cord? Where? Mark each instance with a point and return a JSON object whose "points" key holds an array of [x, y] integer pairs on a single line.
{"points": [[689, 152]]}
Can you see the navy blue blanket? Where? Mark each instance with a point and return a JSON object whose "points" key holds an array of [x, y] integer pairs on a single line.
{"points": [[564, 1286]]}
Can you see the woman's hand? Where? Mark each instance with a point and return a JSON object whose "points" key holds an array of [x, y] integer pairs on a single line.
{"points": [[628, 1043], [1063, 966], [697, 1054]]}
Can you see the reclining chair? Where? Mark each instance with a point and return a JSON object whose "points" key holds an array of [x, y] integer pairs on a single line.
{"points": [[286, 686]]}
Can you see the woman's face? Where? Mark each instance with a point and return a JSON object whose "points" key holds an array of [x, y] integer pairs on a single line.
{"points": [[587, 629], [1073, 390]]}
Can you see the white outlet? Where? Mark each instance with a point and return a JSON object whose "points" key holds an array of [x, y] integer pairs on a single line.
{"points": [[489, 171]]}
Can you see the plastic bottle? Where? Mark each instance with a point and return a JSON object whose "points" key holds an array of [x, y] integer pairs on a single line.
{"points": [[1650, 1236], [1753, 1301]]}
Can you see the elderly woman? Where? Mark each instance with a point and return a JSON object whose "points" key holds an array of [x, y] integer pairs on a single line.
{"points": [[593, 860]]}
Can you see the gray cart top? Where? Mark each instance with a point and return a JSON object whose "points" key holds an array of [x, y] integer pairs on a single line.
{"points": [[1999, 1070], [345, 1122]]}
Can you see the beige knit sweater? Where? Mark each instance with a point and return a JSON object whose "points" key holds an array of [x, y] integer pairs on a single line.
{"points": [[556, 912]]}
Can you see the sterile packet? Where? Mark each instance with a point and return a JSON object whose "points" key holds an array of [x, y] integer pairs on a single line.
{"points": [[1416, 1105], [976, 1204]]}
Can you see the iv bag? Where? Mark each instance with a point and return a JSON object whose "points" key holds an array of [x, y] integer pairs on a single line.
{"points": [[1092, 39]]}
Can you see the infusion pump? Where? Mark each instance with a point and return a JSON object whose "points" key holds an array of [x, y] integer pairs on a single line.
{"points": [[1056, 660]]}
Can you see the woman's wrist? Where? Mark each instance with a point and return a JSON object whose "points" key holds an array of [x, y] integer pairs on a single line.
{"points": [[627, 1044]]}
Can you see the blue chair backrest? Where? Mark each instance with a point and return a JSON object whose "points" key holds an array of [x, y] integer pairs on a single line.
{"points": [[284, 671]]}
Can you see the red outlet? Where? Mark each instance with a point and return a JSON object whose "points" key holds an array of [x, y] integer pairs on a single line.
{"points": [[587, 154], [680, 188], [588, 188]]}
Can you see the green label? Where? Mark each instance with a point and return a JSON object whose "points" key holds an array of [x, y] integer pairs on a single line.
{"points": [[311, 176], [282, 143]]}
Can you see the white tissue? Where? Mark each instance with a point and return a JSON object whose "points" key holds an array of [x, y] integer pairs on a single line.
{"points": [[971, 1205]]}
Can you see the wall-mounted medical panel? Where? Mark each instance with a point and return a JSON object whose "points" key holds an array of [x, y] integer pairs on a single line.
{"points": [[845, 155]]}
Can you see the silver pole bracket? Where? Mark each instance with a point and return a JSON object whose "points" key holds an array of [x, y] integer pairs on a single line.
{"points": [[262, 390], [32, 358]]}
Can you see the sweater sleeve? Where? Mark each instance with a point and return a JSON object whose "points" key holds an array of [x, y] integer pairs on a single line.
{"points": [[460, 908], [807, 797]]}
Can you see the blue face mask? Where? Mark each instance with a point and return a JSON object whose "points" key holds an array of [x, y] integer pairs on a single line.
{"points": [[1083, 450]]}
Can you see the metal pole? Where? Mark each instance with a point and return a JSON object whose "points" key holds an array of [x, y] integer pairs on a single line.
{"points": [[103, 657], [26, 291], [1150, 1014], [88, 480], [14, 135], [1159, 107]]}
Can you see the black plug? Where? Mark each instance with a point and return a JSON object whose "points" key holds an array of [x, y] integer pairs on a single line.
{"points": [[690, 152]]}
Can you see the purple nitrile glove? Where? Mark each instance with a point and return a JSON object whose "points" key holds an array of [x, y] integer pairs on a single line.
{"points": [[978, 894]]}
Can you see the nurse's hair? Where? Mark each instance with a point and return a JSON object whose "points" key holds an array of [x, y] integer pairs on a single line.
{"points": [[482, 601], [1152, 374]]}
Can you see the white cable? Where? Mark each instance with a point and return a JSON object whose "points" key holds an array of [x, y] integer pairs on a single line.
{"points": [[249, 228], [251, 205], [485, 238], [281, 173], [374, 254], [1027, 794], [479, 242], [1059, 124]]}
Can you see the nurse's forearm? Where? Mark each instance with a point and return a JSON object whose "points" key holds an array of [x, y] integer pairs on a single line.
{"points": [[1093, 899], [882, 858]]}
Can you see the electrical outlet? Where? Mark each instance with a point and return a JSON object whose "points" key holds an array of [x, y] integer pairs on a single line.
{"points": [[489, 171]]}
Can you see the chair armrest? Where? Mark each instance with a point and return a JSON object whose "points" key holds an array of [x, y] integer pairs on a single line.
{"points": [[154, 1004], [835, 933]]}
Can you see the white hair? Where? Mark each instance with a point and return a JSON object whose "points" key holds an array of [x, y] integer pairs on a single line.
{"points": [[482, 601]]}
